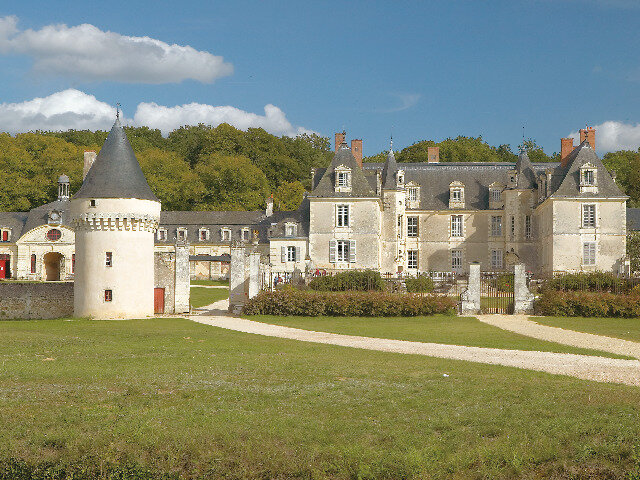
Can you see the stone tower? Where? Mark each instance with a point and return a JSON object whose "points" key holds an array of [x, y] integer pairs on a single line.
{"points": [[115, 215]]}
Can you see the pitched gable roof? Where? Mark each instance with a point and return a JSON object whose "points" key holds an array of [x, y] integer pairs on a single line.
{"points": [[360, 187], [570, 184]]}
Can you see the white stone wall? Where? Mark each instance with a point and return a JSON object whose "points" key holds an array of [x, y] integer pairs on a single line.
{"points": [[276, 247], [36, 242]]}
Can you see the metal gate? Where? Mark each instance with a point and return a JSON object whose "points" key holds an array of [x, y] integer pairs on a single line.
{"points": [[496, 292]]}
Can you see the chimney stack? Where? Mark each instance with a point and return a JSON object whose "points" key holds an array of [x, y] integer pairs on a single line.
{"points": [[269, 210], [588, 134], [566, 147], [433, 154], [356, 150], [339, 140], [89, 158]]}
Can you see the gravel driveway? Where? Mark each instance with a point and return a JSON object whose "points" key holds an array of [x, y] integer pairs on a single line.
{"points": [[586, 367]]}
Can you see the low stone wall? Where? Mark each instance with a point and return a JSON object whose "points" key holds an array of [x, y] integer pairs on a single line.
{"points": [[35, 300]]}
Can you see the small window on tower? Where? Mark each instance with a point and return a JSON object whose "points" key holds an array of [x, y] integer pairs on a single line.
{"points": [[108, 295], [108, 261], [92, 203]]}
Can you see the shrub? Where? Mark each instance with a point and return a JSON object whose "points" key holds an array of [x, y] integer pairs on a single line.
{"points": [[352, 280], [587, 304], [590, 281], [350, 304], [419, 284]]}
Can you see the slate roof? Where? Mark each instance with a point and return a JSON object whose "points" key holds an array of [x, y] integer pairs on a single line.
{"points": [[566, 182], [360, 186], [389, 171], [526, 178], [14, 221], [633, 219], [116, 172]]}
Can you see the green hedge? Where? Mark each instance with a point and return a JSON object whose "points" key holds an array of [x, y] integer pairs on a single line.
{"points": [[587, 304], [419, 284], [353, 280], [350, 304], [591, 281]]}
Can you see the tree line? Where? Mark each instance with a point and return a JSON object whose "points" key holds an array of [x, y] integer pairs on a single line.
{"points": [[223, 168]]}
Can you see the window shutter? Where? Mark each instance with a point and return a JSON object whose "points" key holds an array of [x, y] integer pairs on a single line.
{"points": [[283, 254], [352, 251], [298, 254], [333, 246]]}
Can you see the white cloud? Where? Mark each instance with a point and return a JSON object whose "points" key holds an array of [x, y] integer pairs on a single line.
{"points": [[612, 136], [73, 109], [87, 52], [167, 119]]}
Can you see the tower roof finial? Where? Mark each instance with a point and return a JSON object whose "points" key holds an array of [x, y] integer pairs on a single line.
{"points": [[118, 111]]}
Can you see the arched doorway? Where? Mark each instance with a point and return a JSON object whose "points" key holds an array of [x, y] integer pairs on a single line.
{"points": [[52, 263]]}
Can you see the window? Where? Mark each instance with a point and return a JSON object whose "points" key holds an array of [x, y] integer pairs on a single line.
{"points": [[456, 225], [342, 251], [456, 194], [290, 230], [527, 227], [54, 234], [162, 235], [33, 263], [496, 226], [588, 216], [513, 226], [412, 226], [412, 194], [291, 254], [245, 234], [343, 179], [412, 259], [108, 295], [342, 219], [456, 260], [181, 234], [588, 177], [496, 259], [204, 234], [5, 236], [496, 195], [73, 263], [589, 253], [225, 234], [400, 177], [92, 203], [108, 261]]}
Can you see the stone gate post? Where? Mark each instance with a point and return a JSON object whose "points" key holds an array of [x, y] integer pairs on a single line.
{"points": [[470, 304], [522, 297]]}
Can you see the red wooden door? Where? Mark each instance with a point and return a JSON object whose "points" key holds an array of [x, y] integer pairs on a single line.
{"points": [[4, 269], [5, 236], [158, 300]]}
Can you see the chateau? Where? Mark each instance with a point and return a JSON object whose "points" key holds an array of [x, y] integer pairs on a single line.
{"points": [[393, 217]]}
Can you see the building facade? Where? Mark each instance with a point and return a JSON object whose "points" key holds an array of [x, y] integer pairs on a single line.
{"points": [[397, 218]]}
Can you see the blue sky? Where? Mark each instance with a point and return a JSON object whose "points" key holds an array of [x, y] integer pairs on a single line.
{"points": [[424, 70]]}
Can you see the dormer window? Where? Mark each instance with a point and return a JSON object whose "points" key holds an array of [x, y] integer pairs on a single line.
{"points": [[203, 234], [245, 234], [400, 177], [225, 234], [343, 179], [162, 234], [181, 234], [290, 229], [495, 196], [456, 195], [5, 235], [513, 178], [588, 178]]}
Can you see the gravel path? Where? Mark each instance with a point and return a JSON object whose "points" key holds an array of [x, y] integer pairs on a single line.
{"points": [[522, 325], [581, 366]]}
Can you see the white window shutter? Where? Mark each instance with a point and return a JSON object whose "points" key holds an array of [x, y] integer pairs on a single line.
{"points": [[352, 251], [333, 246], [283, 254], [298, 254]]}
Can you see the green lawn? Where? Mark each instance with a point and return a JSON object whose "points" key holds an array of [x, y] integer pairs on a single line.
{"points": [[215, 283], [142, 398], [437, 328], [625, 328], [205, 296]]}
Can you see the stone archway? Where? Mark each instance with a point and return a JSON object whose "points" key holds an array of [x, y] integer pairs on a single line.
{"points": [[52, 266]]}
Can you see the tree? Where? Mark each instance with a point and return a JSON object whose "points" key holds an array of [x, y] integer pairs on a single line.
{"points": [[288, 196], [626, 165], [633, 250], [534, 151]]}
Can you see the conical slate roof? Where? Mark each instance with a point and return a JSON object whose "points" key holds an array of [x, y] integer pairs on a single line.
{"points": [[116, 172], [389, 171], [526, 175]]}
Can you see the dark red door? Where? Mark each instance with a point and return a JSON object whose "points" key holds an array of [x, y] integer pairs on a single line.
{"points": [[4, 269], [158, 300]]}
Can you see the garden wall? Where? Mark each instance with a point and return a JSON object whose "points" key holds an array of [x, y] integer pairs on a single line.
{"points": [[30, 301]]}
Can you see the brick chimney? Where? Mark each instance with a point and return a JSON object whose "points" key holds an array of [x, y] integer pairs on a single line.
{"points": [[433, 154], [340, 137], [588, 134], [89, 158], [566, 147], [356, 150]]}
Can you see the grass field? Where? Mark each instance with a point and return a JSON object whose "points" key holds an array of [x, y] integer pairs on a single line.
{"points": [[437, 328], [625, 328], [169, 396], [215, 283], [205, 296]]}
